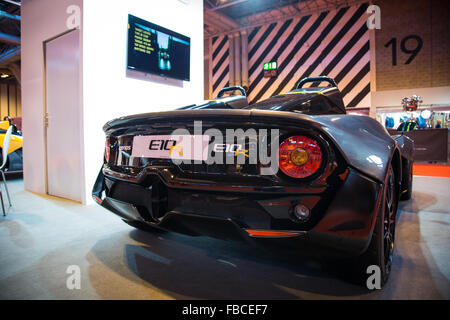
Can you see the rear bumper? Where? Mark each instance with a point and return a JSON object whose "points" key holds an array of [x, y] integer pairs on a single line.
{"points": [[341, 222]]}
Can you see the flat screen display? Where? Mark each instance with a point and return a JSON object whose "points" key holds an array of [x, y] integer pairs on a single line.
{"points": [[157, 50]]}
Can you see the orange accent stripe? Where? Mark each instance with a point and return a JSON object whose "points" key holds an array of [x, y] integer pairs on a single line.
{"points": [[266, 233], [97, 199], [431, 170]]}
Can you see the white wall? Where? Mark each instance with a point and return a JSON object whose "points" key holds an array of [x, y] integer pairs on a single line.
{"points": [[430, 96], [108, 92], [41, 20]]}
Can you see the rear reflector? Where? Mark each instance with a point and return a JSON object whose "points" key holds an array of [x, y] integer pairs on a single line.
{"points": [[97, 199], [268, 233]]}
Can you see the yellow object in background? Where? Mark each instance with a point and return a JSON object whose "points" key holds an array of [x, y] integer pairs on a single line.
{"points": [[16, 141], [4, 125]]}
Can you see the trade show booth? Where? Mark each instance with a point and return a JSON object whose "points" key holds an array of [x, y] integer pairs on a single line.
{"points": [[210, 151]]}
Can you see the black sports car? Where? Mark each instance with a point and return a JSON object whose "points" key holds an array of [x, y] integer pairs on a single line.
{"points": [[335, 188]]}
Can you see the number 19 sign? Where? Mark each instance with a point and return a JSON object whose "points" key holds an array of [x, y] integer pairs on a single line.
{"points": [[413, 52]]}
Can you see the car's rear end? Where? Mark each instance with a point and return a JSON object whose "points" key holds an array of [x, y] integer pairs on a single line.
{"points": [[308, 202]]}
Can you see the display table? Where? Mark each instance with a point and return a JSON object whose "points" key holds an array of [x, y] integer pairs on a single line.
{"points": [[429, 144]]}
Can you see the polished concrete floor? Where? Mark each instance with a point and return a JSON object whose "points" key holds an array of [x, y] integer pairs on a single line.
{"points": [[42, 236]]}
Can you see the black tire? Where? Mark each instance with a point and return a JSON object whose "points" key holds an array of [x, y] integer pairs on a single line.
{"points": [[143, 226], [409, 181], [381, 248]]}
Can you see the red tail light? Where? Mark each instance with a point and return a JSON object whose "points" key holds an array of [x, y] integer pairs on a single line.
{"points": [[299, 156], [107, 150]]}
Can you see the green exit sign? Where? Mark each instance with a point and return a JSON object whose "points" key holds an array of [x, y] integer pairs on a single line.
{"points": [[270, 65], [270, 69]]}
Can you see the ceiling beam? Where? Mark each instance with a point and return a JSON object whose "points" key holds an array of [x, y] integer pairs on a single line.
{"points": [[262, 18], [228, 21], [7, 38], [5, 14], [10, 56], [13, 2], [225, 5], [218, 20]]}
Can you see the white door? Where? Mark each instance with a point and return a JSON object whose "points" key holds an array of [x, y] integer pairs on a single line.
{"points": [[63, 96]]}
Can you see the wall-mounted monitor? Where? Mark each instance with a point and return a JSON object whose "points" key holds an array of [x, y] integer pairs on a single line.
{"points": [[157, 50]]}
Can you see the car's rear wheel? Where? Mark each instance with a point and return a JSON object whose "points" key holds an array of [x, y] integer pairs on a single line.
{"points": [[143, 226], [381, 248]]}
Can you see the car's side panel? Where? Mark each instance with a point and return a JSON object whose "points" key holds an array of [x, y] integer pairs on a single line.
{"points": [[406, 146]]}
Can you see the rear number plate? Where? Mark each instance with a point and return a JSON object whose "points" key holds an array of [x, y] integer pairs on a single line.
{"points": [[188, 147]]}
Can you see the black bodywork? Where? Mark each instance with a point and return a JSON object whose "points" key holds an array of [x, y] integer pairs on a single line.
{"points": [[225, 201]]}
